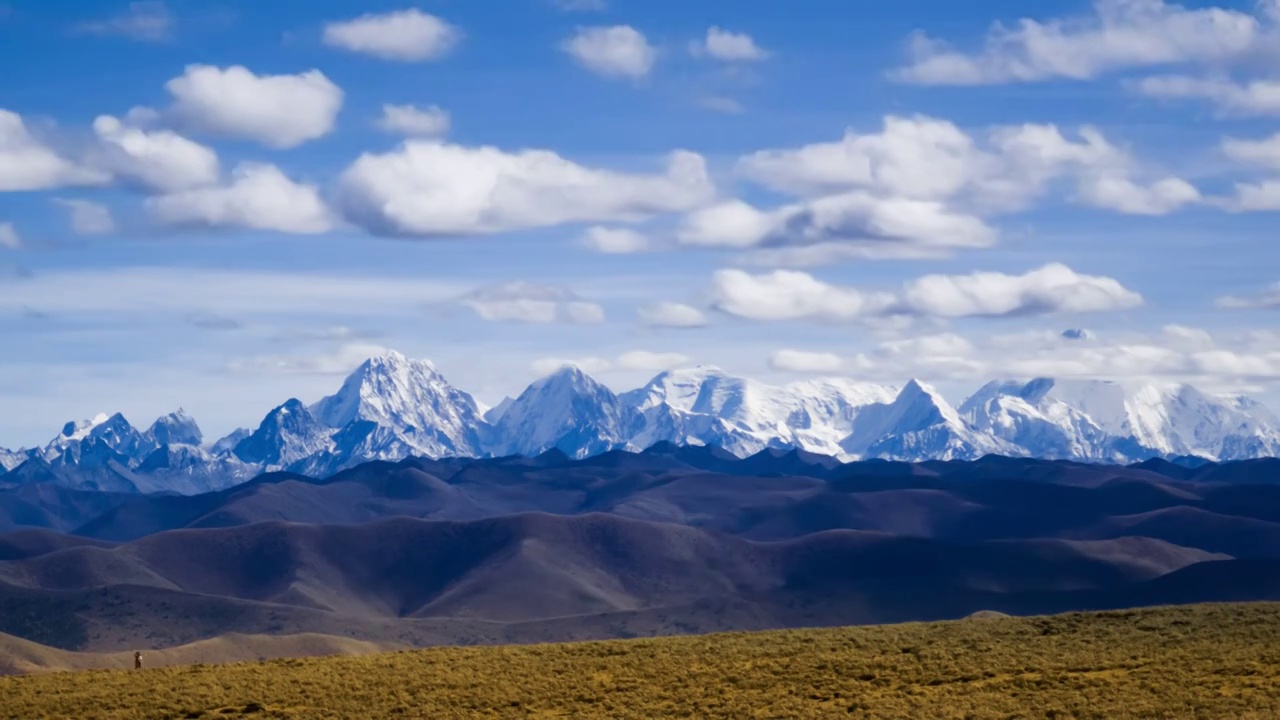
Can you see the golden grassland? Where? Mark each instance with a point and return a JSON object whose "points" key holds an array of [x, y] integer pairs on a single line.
{"points": [[1213, 661]]}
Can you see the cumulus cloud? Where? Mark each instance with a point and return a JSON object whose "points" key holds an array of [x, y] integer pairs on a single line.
{"points": [[1054, 288], [631, 361], [1119, 34], [728, 46], [525, 302], [1256, 97], [1253, 197], [88, 217], [413, 121], [1267, 299], [432, 189], [148, 21], [27, 163], [614, 241], [1255, 152], [925, 158], [279, 111], [259, 196], [800, 361], [404, 36], [619, 51], [1125, 196], [794, 295], [920, 187], [153, 159], [857, 218], [9, 237], [672, 315]]}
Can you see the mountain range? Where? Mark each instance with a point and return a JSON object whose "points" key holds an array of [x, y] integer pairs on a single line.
{"points": [[392, 407]]}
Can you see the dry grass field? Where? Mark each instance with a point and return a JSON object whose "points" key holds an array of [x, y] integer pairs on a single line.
{"points": [[1218, 661]]}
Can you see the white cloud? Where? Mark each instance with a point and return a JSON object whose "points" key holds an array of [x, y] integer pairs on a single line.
{"points": [[636, 360], [672, 315], [651, 361], [1253, 197], [589, 365], [525, 302], [241, 294], [9, 237], [1268, 298], [1124, 195], [925, 158], [800, 361], [148, 21], [413, 121], [1120, 34], [581, 5], [88, 217], [617, 51], [26, 163], [614, 241], [856, 218], [338, 362], [436, 189], [1054, 288], [794, 295], [1222, 362], [405, 36], [259, 197], [1257, 97], [722, 104], [1257, 152], [728, 46], [279, 111], [156, 159]]}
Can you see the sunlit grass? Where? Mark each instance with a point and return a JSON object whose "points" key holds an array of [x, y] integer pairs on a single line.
{"points": [[1193, 662]]}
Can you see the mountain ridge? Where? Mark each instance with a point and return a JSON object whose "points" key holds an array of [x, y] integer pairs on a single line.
{"points": [[392, 407]]}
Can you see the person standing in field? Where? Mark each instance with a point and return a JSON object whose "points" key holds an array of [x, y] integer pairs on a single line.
{"points": [[137, 660]]}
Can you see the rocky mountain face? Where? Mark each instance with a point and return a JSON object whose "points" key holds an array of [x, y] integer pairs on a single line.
{"points": [[392, 407]]}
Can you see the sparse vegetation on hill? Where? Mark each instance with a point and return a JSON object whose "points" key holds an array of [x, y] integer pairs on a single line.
{"points": [[1215, 661]]}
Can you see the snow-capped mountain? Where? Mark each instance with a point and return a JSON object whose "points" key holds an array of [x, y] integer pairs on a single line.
{"points": [[411, 403], [393, 407], [288, 434], [706, 406], [569, 411], [918, 424]]}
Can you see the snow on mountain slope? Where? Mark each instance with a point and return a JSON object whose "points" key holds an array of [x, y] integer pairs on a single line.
{"points": [[1028, 416], [706, 406], [288, 434], [392, 407], [567, 410], [918, 424], [424, 413], [1174, 419], [176, 428]]}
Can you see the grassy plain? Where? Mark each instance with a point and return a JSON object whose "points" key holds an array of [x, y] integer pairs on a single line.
{"points": [[1214, 661]]}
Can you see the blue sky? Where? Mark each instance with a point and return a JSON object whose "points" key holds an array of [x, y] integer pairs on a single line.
{"points": [[221, 205]]}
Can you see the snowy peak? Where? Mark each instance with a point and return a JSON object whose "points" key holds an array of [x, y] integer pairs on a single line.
{"points": [[918, 424], [412, 399], [287, 434], [176, 428], [569, 411]]}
